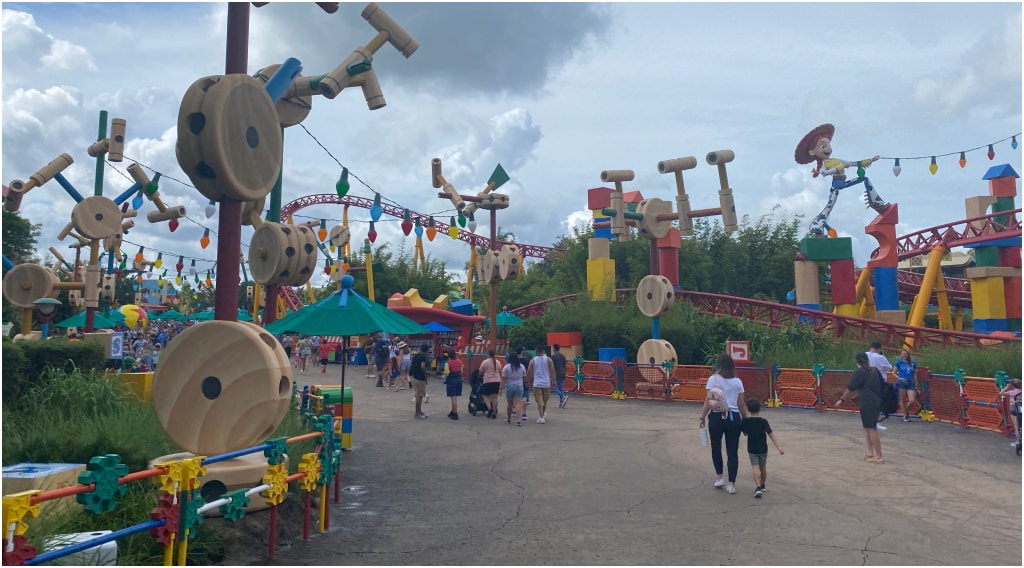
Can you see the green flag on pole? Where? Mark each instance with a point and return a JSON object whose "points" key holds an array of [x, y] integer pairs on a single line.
{"points": [[498, 178]]}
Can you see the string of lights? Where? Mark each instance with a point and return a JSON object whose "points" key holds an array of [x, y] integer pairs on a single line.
{"points": [[933, 167]]}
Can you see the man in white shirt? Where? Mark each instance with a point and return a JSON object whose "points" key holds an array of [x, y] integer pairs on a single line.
{"points": [[878, 361]]}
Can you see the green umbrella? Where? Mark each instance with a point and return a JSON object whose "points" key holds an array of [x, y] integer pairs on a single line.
{"points": [[170, 315], [78, 320], [345, 313], [114, 315], [244, 316], [205, 315], [506, 318]]}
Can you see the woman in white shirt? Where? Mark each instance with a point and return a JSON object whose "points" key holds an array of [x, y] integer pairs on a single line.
{"points": [[726, 423]]}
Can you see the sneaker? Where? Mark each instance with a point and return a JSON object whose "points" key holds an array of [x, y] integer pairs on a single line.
{"points": [[764, 489], [524, 416], [719, 483], [730, 489], [562, 401], [540, 420], [426, 398], [881, 428], [758, 492], [454, 416], [421, 415]]}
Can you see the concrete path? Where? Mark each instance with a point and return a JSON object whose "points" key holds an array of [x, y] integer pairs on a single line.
{"points": [[608, 482]]}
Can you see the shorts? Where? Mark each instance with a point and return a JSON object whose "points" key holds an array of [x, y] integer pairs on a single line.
{"points": [[323, 362], [404, 366], [490, 388], [453, 388], [905, 384], [759, 459], [513, 391], [419, 388], [869, 415]]}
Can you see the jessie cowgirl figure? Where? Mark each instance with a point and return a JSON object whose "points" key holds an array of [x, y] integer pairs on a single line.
{"points": [[816, 146]]}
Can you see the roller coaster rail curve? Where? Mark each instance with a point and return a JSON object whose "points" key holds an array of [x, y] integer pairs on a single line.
{"points": [[781, 316]]}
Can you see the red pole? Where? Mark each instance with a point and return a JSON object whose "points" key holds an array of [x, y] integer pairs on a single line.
{"points": [[229, 220]]}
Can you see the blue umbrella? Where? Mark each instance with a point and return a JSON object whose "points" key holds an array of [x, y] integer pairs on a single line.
{"points": [[437, 327]]}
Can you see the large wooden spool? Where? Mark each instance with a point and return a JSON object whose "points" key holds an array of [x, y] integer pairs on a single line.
{"points": [[282, 254], [222, 386], [339, 236], [307, 256], [96, 217], [510, 265], [27, 283], [656, 352], [229, 137], [655, 295], [650, 227]]}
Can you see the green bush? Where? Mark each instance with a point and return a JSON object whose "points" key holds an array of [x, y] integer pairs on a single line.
{"points": [[29, 360]]}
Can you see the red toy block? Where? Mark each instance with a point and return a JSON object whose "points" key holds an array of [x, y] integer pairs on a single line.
{"points": [[632, 197], [890, 216], [566, 338], [1002, 187], [670, 240], [886, 236], [599, 198], [1009, 256], [844, 282], [1012, 294]]}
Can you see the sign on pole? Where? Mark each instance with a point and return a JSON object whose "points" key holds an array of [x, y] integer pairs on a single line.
{"points": [[738, 350]]}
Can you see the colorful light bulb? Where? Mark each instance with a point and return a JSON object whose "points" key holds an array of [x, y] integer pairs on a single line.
{"points": [[991, 153], [963, 160], [137, 200], [204, 241], [180, 264], [933, 167], [472, 220], [173, 225], [372, 233], [1013, 142], [376, 210], [321, 233], [342, 186], [192, 268], [418, 228], [211, 208], [159, 260], [453, 230], [431, 230], [138, 256], [177, 279], [896, 169], [462, 220], [406, 223], [209, 280]]}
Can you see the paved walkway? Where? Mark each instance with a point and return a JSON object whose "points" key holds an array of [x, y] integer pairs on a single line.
{"points": [[608, 482]]}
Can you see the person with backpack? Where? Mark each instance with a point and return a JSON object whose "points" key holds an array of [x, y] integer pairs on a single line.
{"points": [[865, 382], [877, 360], [722, 412], [419, 379]]}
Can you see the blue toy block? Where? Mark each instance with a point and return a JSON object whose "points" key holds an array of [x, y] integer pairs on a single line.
{"points": [[886, 288]]}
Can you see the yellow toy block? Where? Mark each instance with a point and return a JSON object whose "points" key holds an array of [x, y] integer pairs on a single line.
{"points": [[601, 278], [987, 298], [346, 441], [852, 310], [141, 384]]}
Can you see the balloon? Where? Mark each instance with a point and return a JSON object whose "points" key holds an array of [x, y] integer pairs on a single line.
{"points": [[134, 314]]}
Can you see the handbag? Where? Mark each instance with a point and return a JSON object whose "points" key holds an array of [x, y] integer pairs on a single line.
{"points": [[704, 436]]}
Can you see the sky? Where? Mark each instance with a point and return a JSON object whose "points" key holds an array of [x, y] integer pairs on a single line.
{"points": [[553, 92]]}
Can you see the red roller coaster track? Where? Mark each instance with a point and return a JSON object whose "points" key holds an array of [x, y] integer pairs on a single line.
{"points": [[783, 316], [532, 251], [976, 230]]}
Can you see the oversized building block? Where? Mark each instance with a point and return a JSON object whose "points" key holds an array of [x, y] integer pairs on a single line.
{"points": [[1003, 204], [849, 310], [806, 278], [1013, 324], [1002, 181], [986, 256], [886, 289], [988, 298], [601, 278], [844, 283], [1009, 256], [978, 207], [817, 248], [1012, 296], [598, 248], [992, 272], [668, 256], [891, 316], [599, 198], [565, 339], [990, 325]]}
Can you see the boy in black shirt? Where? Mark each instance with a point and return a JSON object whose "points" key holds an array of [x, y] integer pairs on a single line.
{"points": [[758, 431]]}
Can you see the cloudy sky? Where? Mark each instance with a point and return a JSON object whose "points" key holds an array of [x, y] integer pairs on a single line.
{"points": [[555, 93]]}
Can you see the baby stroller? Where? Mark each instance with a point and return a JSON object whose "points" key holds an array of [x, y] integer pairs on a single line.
{"points": [[476, 395]]}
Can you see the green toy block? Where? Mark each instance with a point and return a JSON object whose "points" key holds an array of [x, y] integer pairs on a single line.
{"points": [[1013, 325], [819, 248], [346, 396], [986, 256], [1003, 204]]}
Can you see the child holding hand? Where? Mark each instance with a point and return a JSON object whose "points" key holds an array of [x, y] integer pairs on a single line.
{"points": [[757, 430]]}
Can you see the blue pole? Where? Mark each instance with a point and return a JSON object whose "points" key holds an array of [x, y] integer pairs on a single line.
{"points": [[236, 453], [68, 187], [128, 193], [283, 78], [7, 263], [655, 328], [80, 546]]}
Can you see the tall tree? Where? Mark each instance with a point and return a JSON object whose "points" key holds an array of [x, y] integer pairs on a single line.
{"points": [[19, 238]]}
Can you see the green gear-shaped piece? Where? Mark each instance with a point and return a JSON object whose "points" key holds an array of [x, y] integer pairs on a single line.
{"points": [[330, 468], [818, 370], [190, 516], [276, 453], [235, 510], [959, 376], [1001, 379], [578, 375], [103, 471]]}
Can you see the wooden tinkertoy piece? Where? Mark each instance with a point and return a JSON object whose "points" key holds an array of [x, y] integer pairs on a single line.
{"points": [[222, 386], [18, 189]]}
